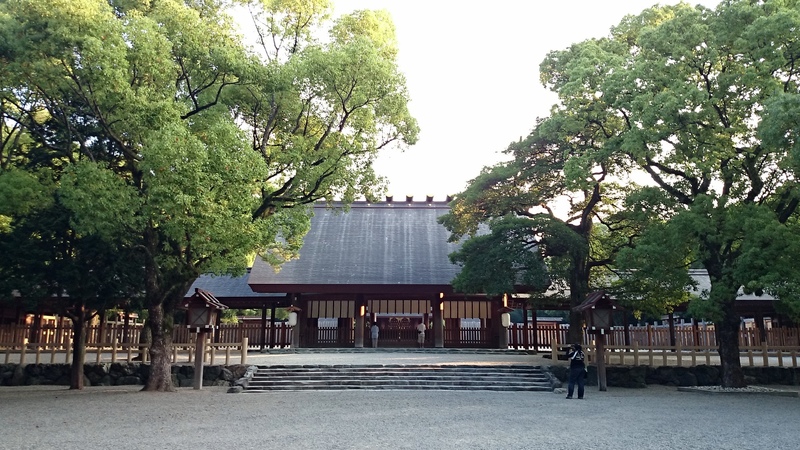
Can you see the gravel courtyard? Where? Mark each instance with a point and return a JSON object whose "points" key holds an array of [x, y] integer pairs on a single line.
{"points": [[42, 417]]}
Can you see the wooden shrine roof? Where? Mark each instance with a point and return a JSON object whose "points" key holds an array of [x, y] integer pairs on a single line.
{"points": [[376, 248]]}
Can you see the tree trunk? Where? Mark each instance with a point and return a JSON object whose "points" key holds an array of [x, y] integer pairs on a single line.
{"points": [[575, 332], [728, 341], [578, 289], [78, 348], [160, 325]]}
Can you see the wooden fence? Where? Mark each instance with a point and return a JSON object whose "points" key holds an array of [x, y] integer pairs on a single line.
{"points": [[278, 335], [115, 351], [546, 335], [648, 344], [114, 342], [764, 355]]}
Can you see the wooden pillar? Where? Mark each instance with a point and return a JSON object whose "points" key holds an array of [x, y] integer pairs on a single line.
{"points": [[359, 313], [101, 334], [502, 333], [438, 323], [343, 327], [126, 325], [299, 329], [217, 328], [36, 328], [498, 340], [600, 357], [762, 329], [272, 327], [671, 319], [535, 328], [199, 352], [627, 326], [264, 330]]}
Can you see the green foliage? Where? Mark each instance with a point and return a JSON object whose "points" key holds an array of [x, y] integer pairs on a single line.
{"points": [[497, 262], [166, 135], [704, 102]]}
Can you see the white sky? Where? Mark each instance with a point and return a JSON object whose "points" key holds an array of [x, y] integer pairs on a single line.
{"points": [[472, 74]]}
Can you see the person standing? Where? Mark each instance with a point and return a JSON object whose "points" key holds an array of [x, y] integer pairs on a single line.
{"points": [[421, 334], [577, 370], [374, 331]]}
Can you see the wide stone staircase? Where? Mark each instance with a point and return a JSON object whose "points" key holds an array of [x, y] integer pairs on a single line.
{"points": [[375, 377]]}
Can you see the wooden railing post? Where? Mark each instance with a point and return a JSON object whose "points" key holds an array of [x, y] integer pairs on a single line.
{"points": [[244, 350]]}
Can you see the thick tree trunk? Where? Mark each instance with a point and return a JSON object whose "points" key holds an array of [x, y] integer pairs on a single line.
{"points": [[723, 295], [578, 289], [728, 341], [78, 348], [160, 325]]}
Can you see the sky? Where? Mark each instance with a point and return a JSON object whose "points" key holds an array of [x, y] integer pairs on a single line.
{"points": [[471, 70]]}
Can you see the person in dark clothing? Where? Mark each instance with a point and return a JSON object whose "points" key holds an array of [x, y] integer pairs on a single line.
{"points": [[577, 370]]}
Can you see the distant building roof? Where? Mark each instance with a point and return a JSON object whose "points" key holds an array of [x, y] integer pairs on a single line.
{"points": [[232, 291], [386, 247], [700, 276]]}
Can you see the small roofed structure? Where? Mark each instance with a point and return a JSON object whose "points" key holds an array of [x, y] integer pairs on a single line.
{"points": [[598, 309], [202, 310]]}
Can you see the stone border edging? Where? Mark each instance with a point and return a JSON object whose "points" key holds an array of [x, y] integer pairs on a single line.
{"points": [[241, 384], [743, 391]]}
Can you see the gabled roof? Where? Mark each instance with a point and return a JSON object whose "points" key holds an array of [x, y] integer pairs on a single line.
{"points": [[386, 247], [206, 297], [232, 291], [597, 298], [224, 286]]}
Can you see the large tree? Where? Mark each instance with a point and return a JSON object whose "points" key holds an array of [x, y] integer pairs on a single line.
{"points": [[48, 265], [197, 150], [709, 102], [542, 209]]}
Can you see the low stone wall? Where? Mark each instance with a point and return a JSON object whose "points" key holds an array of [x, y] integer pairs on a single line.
{"points": [[641, 376], [114, 374]]}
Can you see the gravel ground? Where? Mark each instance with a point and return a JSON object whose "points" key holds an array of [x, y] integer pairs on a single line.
{"points": [[42, 417], [652, 418]]}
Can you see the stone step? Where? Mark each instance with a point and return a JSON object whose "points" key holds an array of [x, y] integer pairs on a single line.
{"points": [[441, 377], [398, 372], [474, 384], [438, 387], [488, 379]]}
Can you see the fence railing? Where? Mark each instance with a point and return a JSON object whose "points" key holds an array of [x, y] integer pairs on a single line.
{"points": [[763, 355], [277, 335], [544, 336], [115, 351], [648, 344]]}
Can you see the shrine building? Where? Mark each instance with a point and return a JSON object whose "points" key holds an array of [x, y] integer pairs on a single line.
{"points": [[384, 263]]}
